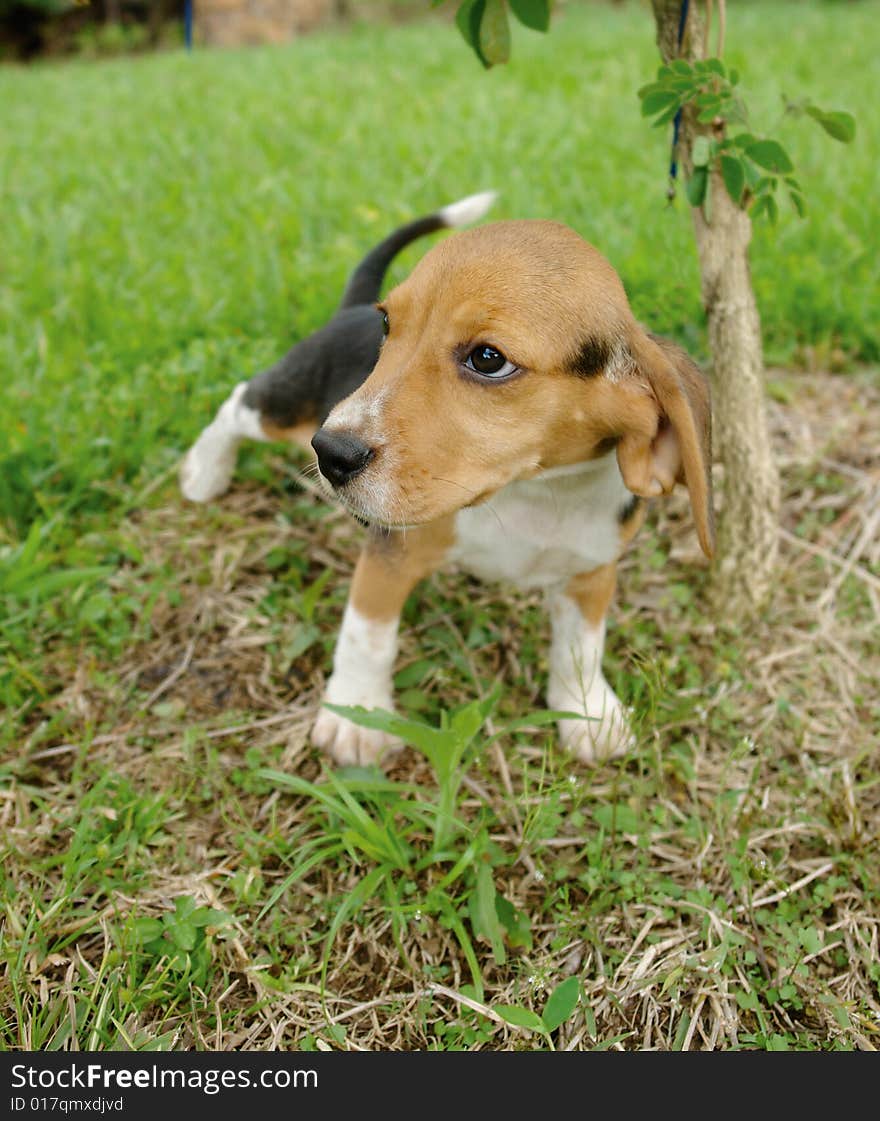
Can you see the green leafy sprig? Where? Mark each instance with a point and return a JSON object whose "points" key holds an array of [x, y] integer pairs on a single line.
{"points": [[751, 166]]}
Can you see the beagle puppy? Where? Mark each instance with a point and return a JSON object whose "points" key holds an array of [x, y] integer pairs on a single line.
{"points": [[292, 398], [515, 422]]}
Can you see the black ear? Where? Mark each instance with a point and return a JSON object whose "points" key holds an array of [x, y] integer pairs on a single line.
{"points": [[680, 447]]}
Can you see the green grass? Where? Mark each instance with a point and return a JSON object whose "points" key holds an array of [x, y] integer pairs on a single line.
{"points": [[172, 222], [179, 868]]}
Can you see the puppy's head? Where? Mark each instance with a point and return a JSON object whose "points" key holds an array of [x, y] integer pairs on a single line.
{"points": [[509, 350]]}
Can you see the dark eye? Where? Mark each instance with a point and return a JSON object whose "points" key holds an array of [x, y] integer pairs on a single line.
{"points": [[489, 362], [385, 326]]}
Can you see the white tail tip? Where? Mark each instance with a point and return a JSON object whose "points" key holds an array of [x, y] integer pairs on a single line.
{"points": [[467, 210]]}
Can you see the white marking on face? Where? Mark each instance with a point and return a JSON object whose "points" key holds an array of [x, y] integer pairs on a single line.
{"points": [[375, 501], [360, 414], [374, 494], [206, 472]]}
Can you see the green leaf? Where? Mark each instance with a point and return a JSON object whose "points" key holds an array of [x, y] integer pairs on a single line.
{"points": [[734, 175], [184, 906], [182, 934], [771, 155], [495, 33], [423, 736], [617, 816], [590, 1017], [520, 1017], [148, 930], [310, 597], [413, 674], [811, 939], [753, 174], [707, 116], [561, 1003], [666, 116], [454, 923], [758, 207], [337, 1033], [839, 125], [516, 923], [798, 202], [658, 100], [467, 721], [533, 13], [467, 19], [696, 186], [484, 916], [209, 916], [700, 151], [303, 636], [742, 140], [766, 203]]}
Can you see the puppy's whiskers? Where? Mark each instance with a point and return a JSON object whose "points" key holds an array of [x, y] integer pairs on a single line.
{"points": [[471, 494], [453, 483]]}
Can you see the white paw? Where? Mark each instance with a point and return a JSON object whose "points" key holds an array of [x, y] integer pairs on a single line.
{"points": [[603, 733], [350, 744], [207, 468]]}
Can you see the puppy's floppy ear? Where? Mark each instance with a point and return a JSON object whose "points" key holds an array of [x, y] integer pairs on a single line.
{"points": [[678, 449]]}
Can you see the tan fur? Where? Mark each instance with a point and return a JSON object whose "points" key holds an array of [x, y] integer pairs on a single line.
{"points": [[680, 449], [536, 291], [593, 592], [389, 567], [632, 525], [301, 433]]}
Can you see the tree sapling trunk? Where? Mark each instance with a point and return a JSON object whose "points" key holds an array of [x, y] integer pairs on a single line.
{"points": [[748, 521]]}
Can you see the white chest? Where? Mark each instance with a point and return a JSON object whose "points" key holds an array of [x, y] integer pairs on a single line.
{"points": [[540, 532]]}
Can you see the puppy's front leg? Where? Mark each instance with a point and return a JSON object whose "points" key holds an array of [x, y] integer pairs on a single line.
{"points": [[362, 671], [576, 683], [388, 569]]}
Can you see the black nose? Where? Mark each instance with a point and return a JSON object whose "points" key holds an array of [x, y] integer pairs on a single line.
{"points": [[341, 456]]}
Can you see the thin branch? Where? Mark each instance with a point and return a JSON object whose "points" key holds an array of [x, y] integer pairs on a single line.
{"points": [[722, 23]]}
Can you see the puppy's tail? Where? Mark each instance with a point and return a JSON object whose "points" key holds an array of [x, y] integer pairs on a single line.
{"points": [[365, 283]]}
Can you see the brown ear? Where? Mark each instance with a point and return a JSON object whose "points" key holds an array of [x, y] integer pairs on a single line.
{"points": [[679, 450]]}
